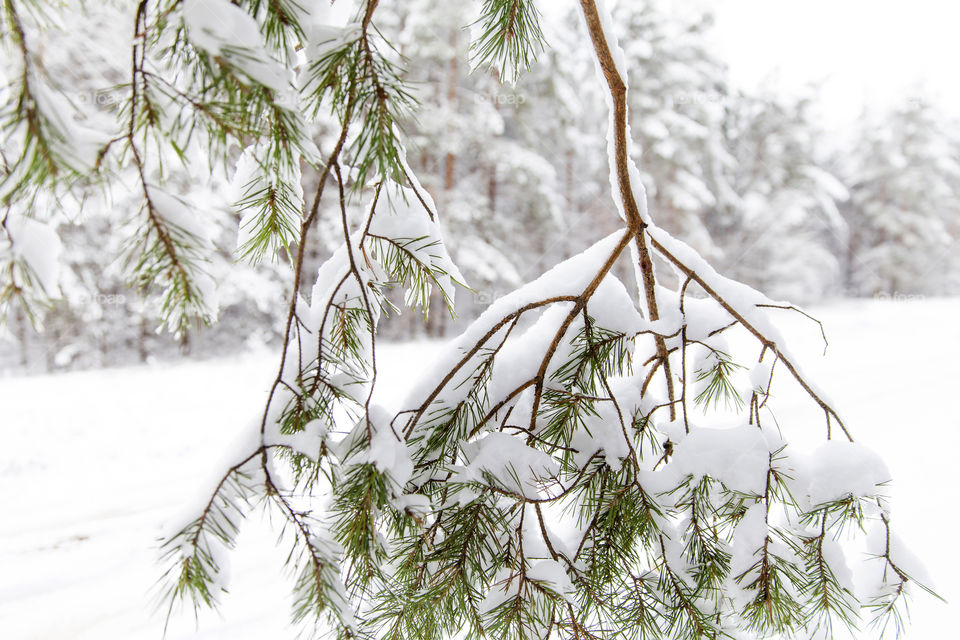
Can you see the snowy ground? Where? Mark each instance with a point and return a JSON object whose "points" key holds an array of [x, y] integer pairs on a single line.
{"points": [[92, 464]]}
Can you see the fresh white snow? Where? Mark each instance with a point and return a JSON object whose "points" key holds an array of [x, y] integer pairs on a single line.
{"points": [[38, 246], [226, 31], [95, 464]]}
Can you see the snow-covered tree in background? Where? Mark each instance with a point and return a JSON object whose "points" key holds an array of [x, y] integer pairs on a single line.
{"points": [[96, 315], [588, 459], [676, 114], [903, 211], [739, 174], [777, 220], [485, 150]]}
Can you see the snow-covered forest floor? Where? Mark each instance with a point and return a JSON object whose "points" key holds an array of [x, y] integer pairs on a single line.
{"points": [[93, 463]]}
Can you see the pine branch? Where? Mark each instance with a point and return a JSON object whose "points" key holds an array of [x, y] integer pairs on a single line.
{"points": [[510, 38], [195, 552], [716, 372], [37, 133], [579, 432], [357, 81]]}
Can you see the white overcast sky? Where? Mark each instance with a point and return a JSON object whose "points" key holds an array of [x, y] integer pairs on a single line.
{"points": [[862, 52], [858, 52]]}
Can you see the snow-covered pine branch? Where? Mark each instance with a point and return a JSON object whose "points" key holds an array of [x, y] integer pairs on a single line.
{"points": [[587, 459]]}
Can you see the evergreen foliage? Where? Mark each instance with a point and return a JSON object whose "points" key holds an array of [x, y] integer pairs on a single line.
{"points": [[562, 471]]}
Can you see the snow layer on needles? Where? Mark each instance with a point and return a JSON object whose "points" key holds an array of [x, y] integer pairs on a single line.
{"points": [[552, 575], [514, 465], [177, 212], [388, 452], [408, 216], [38, 246], [334, 284], [70, 130], [250, 177], [243, 445], [225, 30], [748, 538], [520, 358], [876, 571], [604, 433], [569, 278], [737, 457], [179, 215], [307, 442], [837, 469]]}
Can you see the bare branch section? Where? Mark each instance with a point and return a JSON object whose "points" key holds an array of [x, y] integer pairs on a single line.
{"points": [[635, 212]]}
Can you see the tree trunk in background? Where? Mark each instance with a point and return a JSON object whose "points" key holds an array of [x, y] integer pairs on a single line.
{"points": [[450, 160], [144, 331], [437, 320], [492, 189], [571, 213], [104, 349], [436, 324], [850, 287], [51, 346], [22, 339]]}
